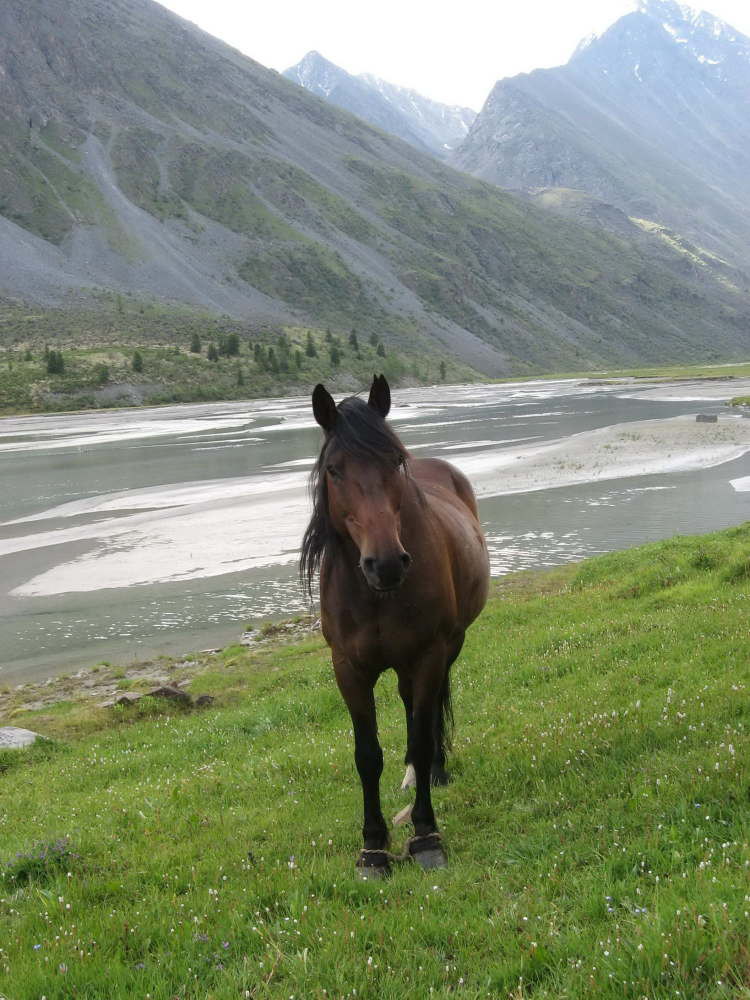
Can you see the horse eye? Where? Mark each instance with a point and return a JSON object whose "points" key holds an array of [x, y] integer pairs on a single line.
{"points": [[333, 471]]}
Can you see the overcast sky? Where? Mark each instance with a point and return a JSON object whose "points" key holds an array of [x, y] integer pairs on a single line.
{"points": [[452, 52]]}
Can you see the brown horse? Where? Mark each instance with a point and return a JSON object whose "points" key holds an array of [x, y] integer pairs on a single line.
{"points": [[403, 573]]}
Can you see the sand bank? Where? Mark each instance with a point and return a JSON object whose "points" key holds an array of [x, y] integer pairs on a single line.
{"points": [[189, 531]]}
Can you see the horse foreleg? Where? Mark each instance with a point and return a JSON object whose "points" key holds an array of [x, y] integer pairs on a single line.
{"points": [[425, 846], [357, 692]]}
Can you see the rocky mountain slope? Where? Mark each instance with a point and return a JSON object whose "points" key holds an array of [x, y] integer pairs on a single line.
{"points": [[652, 117], [139, 155], [428, 125]]}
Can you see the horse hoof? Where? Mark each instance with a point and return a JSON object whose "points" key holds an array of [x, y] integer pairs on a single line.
{"points": [[373, 865], [410, 778], [428, 851], [433, 858], [374, 873]]}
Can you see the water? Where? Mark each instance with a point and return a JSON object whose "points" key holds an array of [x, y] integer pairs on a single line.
{"points": [[123, 535]]}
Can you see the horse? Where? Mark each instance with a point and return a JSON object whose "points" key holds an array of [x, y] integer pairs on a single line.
{"points": [[404, 571]]}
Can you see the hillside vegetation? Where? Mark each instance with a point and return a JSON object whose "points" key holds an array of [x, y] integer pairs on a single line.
{"points": [[230, 359], [598, 824]]}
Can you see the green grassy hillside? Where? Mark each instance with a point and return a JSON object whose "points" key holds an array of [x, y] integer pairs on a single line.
{"points": [[598, 824], [98, 348]]}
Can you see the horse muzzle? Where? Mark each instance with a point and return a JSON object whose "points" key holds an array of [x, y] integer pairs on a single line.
{"points": [[384, 575]]}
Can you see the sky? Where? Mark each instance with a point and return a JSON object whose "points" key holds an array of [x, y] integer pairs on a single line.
{"points": [[452, 52]]}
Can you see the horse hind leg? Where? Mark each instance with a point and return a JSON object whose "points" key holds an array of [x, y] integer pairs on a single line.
{"points": [[444, 722], [439, 776], [410, 775]]}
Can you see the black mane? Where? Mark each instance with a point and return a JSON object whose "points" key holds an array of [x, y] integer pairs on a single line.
{"points": [[362, 433]]}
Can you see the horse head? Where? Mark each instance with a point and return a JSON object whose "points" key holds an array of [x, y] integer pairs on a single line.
{"points": [[361, 479]]}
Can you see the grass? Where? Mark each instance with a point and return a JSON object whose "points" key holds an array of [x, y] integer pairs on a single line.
{"points": [[739, 369], [598, 824]]}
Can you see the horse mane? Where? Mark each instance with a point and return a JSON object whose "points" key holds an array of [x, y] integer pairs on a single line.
{"points": [[361, 432]]}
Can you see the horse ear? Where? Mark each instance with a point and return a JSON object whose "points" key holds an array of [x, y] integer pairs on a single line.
{"points": [[380, 395], [324, 408]]}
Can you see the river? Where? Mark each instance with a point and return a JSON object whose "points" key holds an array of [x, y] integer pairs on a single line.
{"points": [[126, 534]]}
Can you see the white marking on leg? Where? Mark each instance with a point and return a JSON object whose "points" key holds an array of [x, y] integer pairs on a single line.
{"points": [[410, 778], [404, 816]]}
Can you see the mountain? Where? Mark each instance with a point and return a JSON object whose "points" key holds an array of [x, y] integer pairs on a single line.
{"points": [[139, 156], [430, 126], [652, 116]]}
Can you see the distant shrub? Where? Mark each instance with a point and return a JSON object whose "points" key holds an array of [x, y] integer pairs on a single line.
{"points": [[137, 362], [55, 363]]}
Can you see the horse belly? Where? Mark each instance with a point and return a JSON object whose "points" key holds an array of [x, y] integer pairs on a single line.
{"points": [[468, 558]]}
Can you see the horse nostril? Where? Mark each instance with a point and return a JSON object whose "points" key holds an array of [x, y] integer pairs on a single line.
{"points": [[368, 564], [405, 560]]}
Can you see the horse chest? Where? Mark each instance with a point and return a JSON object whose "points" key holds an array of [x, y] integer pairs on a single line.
{"points": [[386, 632]]}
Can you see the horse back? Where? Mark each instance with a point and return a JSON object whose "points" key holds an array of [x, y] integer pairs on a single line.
{"points": [[431, 472]]}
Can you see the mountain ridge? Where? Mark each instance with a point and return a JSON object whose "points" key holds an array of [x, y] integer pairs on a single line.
{"points": [[650, 115], [139, 155], [429, 125]]}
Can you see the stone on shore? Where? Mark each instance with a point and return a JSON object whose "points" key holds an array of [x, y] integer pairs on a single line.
{"points": [[13, 738], [173, 693]]}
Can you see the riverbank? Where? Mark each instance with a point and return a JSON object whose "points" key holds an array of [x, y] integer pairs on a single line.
{"points": [[247, 364], [597, 825]]}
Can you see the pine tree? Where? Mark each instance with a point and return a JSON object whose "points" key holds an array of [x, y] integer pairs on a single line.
{"points": [[373, 340], [240, 375], [354, 343], [55, 363], [442, 371], [212, 354], [310, 349], [335, 355], [137, 362], [380, 350], [298, 359], [273, 364], [195, 344]]}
